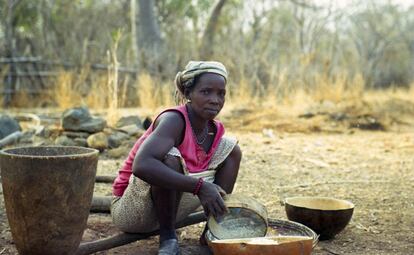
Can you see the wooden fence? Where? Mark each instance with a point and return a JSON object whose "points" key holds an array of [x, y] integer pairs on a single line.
{"points": [[32, 75]]}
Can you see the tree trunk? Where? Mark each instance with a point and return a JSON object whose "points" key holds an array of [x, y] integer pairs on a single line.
{"points": [[149, 39], [10, 52], [206, 48], [150, 35], [134, 39]]}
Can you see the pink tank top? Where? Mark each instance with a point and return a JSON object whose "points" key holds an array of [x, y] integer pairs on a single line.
{"points": [[195, 157]]}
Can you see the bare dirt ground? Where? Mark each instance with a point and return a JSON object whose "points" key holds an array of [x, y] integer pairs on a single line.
{"points": [[310, 151], [372, 169]]}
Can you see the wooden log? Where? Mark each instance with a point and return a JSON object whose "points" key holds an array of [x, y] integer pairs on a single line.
{"points": [[19, 60], [10, 139], [28, 117], [35, 74], [101, 204], [105, 178], [126, 238]]}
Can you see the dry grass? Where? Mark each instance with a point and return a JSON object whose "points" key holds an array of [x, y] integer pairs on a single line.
{"points": [[278, 107], [147, 92], [22, 99], [325, 103], [338, 88], [66, 92]]}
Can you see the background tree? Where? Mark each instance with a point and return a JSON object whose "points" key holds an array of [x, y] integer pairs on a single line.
{"points": [[267, 45]]}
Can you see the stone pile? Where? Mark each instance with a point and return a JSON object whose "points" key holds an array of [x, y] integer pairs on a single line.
{"points": [[77, 127]]}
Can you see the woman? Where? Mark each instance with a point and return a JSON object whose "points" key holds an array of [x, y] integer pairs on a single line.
{"points": [[181, 161]]}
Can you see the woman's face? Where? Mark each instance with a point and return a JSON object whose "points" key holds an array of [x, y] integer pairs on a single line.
{"points": [[208, 95]]}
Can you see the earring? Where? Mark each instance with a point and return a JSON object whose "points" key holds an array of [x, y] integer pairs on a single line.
{"points": [[188, 100]]}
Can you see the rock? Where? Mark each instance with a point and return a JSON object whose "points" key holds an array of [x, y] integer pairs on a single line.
{"points": [[75, 116], [64, 141], [98, 141], [120, 152], [338, 116], [116, 139], [129, 120], [38, 141], [307, 115], [132, 130], [8, 125], [79, 119], [27, 136], [42, 131], [47, 132], [94, 125], [367, 122], [81, 142]]}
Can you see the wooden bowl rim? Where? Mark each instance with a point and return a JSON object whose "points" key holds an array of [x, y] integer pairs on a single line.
{"points": [[82, 152], [291, 201]]}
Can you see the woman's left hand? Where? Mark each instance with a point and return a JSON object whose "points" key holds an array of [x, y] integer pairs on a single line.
{"points": [[211, 198]]}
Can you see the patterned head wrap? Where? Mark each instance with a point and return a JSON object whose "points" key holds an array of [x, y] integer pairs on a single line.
{"points": [[185, 78]]}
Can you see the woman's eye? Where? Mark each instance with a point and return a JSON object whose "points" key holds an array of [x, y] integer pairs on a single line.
{"points": [[204, 92]]}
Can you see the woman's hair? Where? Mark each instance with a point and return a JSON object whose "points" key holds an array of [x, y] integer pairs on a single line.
{"points": [[189, 77], [181, 87]]}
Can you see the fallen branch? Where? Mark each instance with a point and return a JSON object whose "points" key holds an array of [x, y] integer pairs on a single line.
{"points": [[28, 117], [101, 204], [126, 238], [105, 178], [11, 139]]}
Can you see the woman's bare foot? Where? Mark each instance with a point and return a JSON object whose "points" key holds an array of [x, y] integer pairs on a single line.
{"points": [[169, 247]]}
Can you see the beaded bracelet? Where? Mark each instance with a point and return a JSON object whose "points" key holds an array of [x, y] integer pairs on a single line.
{"points": [[198, 186]]}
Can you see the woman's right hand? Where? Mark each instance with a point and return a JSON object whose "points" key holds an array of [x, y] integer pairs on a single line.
{"points": [[211, 198]]}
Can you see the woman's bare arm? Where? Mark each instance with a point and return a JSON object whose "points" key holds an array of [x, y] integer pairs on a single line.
{"points": [[148, 164]]}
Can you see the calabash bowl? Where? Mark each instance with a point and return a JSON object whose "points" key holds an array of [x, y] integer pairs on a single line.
{"points": [[326, 216]]}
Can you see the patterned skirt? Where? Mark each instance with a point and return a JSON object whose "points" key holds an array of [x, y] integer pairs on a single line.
{"points": [[134, 211]]}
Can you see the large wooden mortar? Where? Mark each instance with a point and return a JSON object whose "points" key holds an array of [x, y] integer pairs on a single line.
{"points": [[48, 193]]}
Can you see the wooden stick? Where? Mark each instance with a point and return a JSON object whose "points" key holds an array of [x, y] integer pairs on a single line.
{"points": [[126, 238], [105, 178], [101, 204], [10, 139], [28, 117]]}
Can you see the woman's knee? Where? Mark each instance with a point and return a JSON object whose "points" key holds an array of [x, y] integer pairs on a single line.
{"points": [[227, 173], [236, 154], [233, 160], [174, 163]]}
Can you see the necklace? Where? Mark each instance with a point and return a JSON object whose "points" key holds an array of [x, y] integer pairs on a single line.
{"points": [[203, 134]]}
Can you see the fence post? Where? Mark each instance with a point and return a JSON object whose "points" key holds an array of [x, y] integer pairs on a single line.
{"points": [[9, 85], [10, 52]]}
